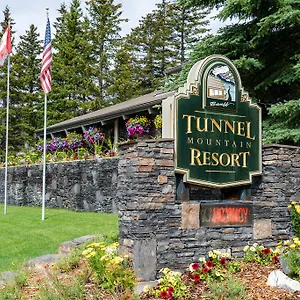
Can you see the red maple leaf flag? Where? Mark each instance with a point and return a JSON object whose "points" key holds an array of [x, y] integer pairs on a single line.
{"points": [[5, 46], [46, 77]]}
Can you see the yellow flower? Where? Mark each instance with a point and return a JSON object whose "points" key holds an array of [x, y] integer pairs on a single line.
{"points": [[293, 202], [286, 243], [117, 260], [289, 206], [92, 254], [292, 246], [276, 251]]}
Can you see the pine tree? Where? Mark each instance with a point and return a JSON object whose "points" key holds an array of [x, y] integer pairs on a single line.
{"points": [[124, 84], [26, 101], [105, 26], [264, 45], [70, 68], [3, 82], [189, 27]]}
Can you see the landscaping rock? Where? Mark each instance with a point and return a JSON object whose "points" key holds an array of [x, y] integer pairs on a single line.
{"points": [[43, 260], [66, 247], [7, 276], [280, 280], [141, 285]]}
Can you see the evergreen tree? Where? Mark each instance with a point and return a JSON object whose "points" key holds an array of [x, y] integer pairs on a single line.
{"points": [[105, 26], [70, 68], [124, 84], [264, 45], [162, 40], [3, 82], [189, 25], [26, 105]]}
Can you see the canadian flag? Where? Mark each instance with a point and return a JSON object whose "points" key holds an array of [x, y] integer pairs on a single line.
{"points": [[5, 46]]}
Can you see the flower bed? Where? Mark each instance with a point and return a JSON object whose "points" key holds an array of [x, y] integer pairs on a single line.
{"points": [[89, 145]]}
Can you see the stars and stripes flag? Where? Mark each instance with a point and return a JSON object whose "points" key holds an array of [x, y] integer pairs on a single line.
{"points": [[5, 46], [46, 76]]}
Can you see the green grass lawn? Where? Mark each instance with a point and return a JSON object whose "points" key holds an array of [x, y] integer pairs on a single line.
{"points": [[23, 235]]}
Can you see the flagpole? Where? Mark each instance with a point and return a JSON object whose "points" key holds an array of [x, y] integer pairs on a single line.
{"points": [[45, 128], [6, 143], [44, 159]]}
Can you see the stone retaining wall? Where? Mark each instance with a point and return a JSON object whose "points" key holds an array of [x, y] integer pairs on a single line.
{"points": [[78, 185], [161, 230]]}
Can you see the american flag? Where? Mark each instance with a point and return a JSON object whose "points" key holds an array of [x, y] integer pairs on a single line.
{"points": [[46, 79]]}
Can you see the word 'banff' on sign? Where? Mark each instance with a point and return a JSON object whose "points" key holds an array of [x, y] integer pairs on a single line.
{"points": [[218, 129]]}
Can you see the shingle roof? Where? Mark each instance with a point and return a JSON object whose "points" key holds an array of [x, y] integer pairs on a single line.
{"points": [[109, 113]]}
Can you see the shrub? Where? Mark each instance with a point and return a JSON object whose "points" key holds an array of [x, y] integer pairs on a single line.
{"points": [[170, 285], [260, 254], [214, 268], [111, 271], [290, 251], [231, 288], [294, 208]]}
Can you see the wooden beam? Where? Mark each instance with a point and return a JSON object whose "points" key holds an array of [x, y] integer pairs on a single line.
{"points": [[116, 132]]}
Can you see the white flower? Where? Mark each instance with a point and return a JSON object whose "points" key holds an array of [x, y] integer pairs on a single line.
{"points": [[146, 289], [255, 245], [202, 259], [210, 253], [252, 249]]}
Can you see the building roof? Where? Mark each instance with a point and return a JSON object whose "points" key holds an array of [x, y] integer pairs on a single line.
{"points": [[110, 113]]}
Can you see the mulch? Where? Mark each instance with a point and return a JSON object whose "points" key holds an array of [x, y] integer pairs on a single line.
{"points": [[255, 276]]}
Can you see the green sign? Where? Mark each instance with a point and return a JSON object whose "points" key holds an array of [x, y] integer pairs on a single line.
{"points": [[218, 128]]}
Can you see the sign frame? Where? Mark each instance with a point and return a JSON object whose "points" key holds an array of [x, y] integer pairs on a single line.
{"points": [[196, 86]]}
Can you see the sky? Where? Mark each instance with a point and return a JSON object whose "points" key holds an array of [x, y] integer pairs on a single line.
{"points": [[30, 12]]}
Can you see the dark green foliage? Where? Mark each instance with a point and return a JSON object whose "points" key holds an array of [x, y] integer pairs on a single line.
{"points": [[283, 124], [264, 44], [71, 71], [104, 35], [163, 40]]}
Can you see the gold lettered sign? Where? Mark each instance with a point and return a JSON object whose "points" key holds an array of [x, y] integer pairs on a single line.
{"points": [[217, 127]]}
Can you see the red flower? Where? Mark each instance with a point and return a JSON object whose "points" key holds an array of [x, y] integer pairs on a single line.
{"points": [[209, 264], [195, 266], [266, 251], [275, 259], [197, 277], [164, 295], [205, 270], [223, 261]]}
